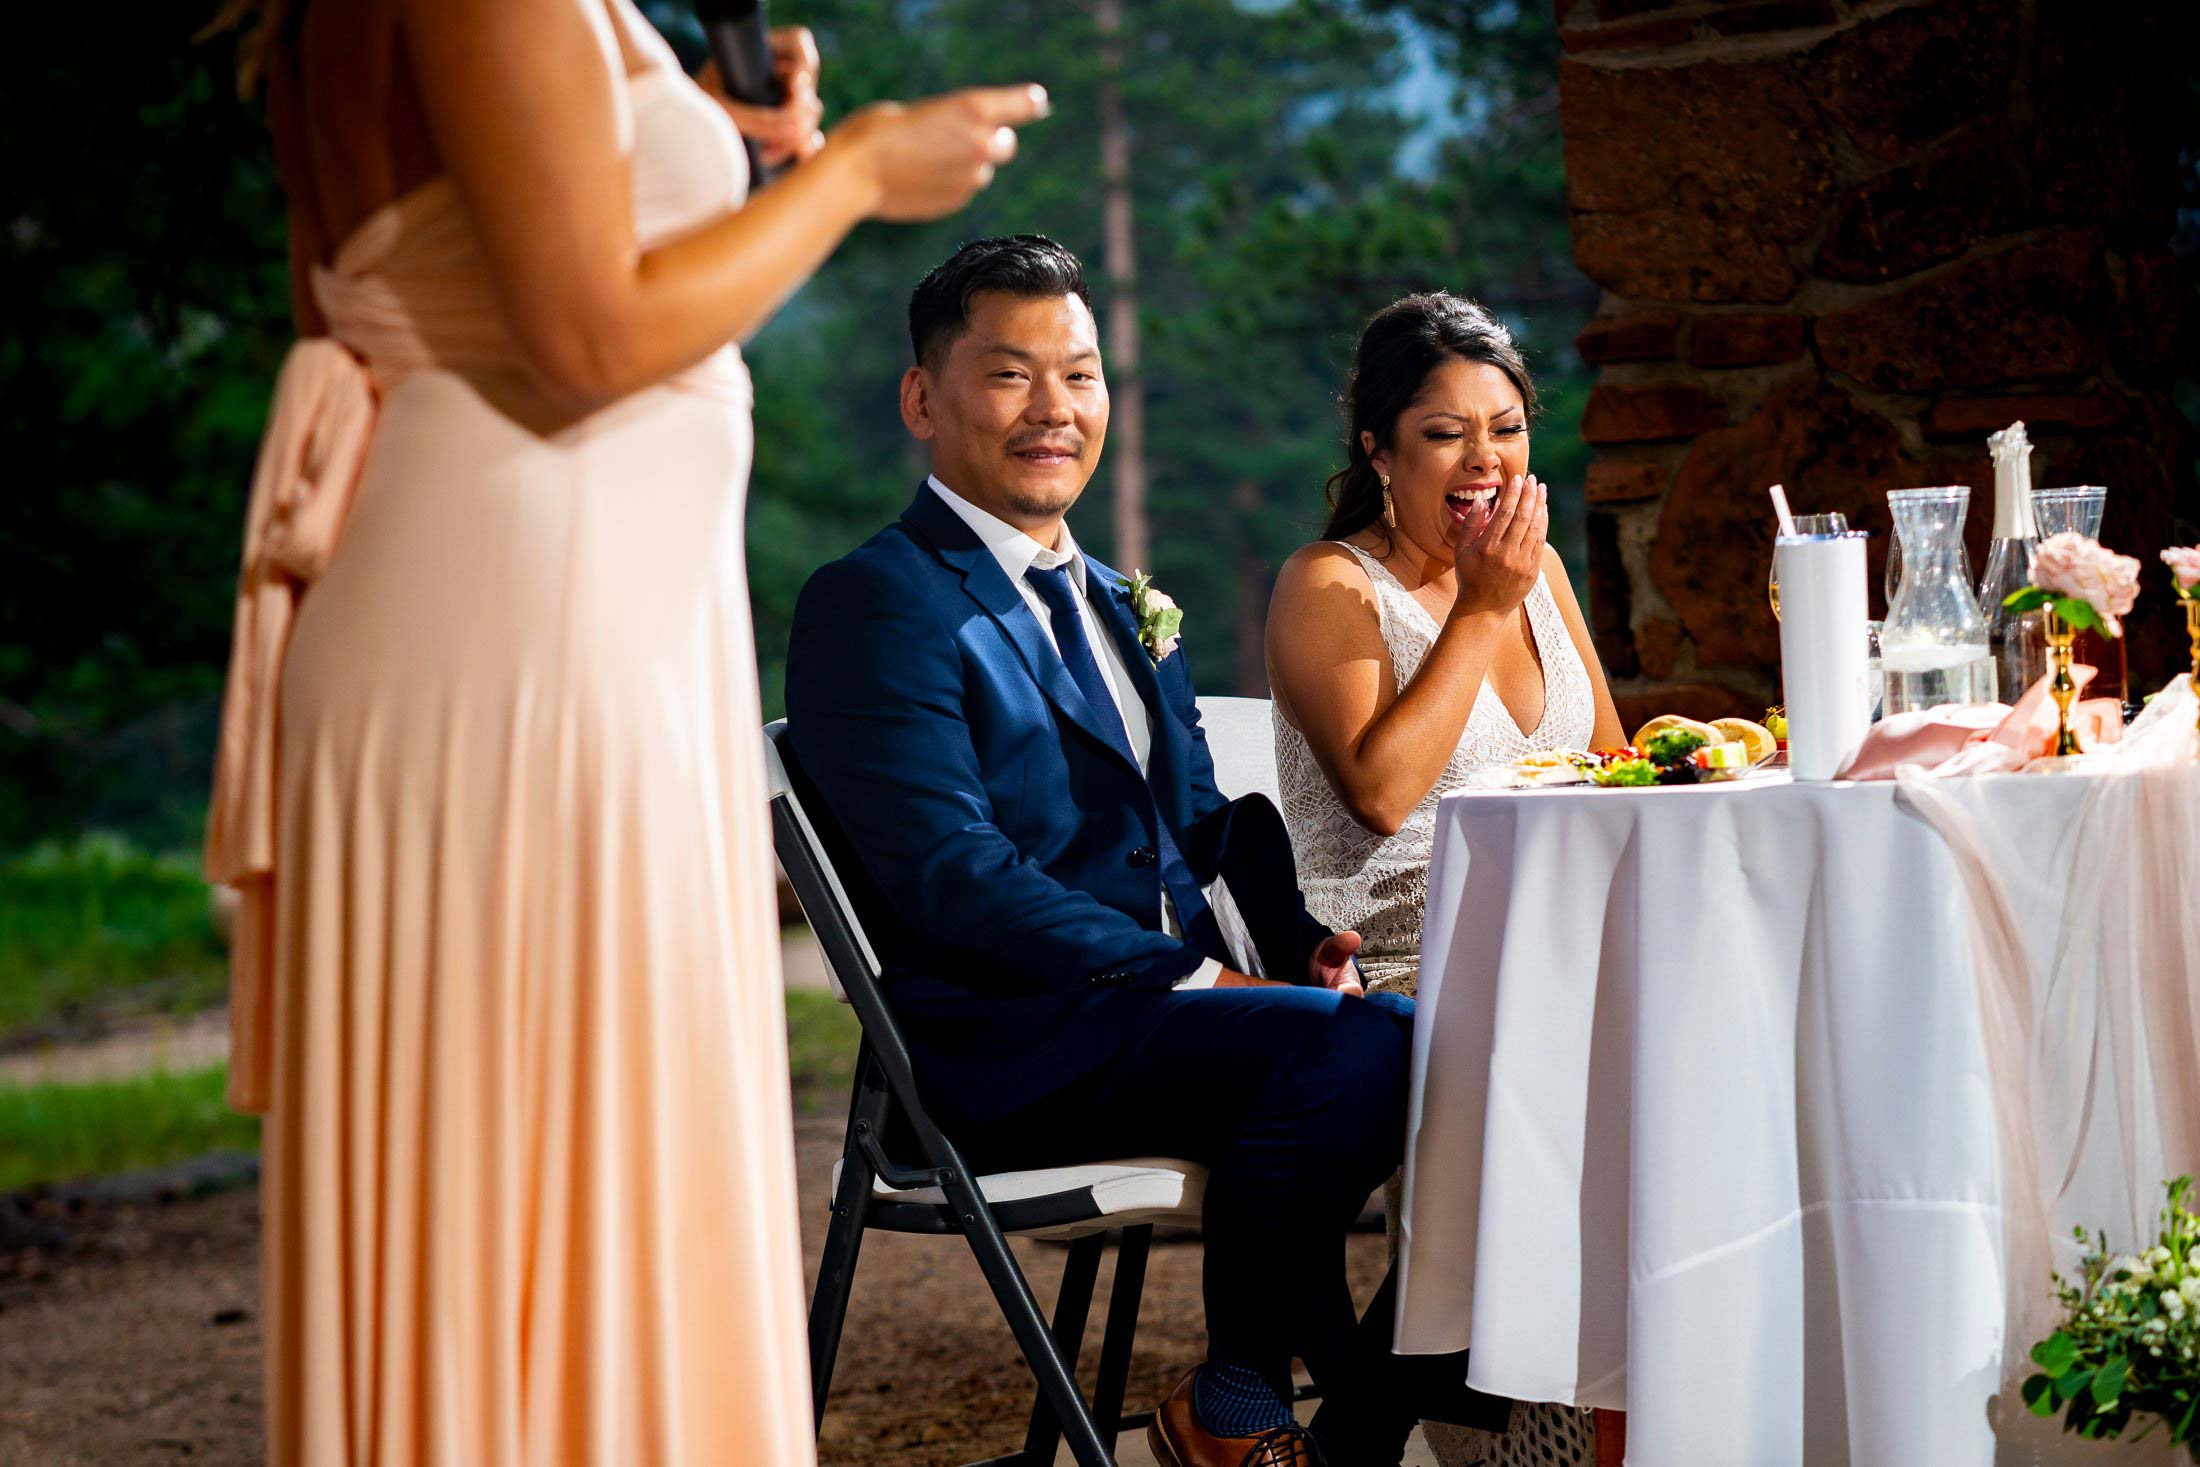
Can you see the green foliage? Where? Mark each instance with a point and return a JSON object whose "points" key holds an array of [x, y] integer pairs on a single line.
{"points": [[2129, 1344], [1275, 207], [96, 929], [2075, 610], [1294, 166], [57, 1132], [2080, 614], [142, 280]]}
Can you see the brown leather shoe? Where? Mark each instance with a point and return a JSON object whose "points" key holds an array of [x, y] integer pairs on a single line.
{"points": [[1178, 1440]]}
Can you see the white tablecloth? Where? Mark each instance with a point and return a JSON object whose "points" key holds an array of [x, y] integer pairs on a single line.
{"points": [[1702, 1125]]}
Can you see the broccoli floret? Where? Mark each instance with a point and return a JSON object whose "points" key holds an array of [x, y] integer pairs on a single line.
{"points": [[1672, 747], [1627, 773]]}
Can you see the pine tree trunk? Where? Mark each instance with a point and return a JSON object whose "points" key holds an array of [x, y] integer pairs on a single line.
{"points": [[1127, 401]]}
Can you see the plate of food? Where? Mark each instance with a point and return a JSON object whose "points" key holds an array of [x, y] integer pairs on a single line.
{"points": [[1673, 749], [1541, 770], [1668, 750]]}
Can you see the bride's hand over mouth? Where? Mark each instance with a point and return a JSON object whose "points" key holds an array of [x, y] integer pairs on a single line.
{"points": [[1499, 551]]}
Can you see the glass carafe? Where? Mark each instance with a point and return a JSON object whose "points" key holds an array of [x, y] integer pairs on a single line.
{"points": [[1893, 582], [1932, 649]]}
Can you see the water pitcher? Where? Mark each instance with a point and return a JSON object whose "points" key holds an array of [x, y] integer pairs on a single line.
{"points": [[1933, 648]]}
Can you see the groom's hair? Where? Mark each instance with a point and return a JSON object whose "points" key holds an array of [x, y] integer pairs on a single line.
{"points": [[1029, 266]]}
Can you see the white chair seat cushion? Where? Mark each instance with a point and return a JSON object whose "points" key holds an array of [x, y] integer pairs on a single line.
{"points": [[1129, 1193]]}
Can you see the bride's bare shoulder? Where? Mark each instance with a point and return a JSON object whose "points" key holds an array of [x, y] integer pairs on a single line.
{"points": [[1322, 582], [1323, 560], [1324, 625]]}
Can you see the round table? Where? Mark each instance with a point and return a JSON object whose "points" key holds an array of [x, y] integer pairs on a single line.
{"points": [[1703, 1126]]}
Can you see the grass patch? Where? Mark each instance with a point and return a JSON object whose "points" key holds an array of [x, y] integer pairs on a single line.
{"points": [[54, 1132], [97, 929], [822, 1036]]}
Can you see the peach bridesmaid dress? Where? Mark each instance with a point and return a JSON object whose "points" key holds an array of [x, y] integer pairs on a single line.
{"points": [[506, 968]]}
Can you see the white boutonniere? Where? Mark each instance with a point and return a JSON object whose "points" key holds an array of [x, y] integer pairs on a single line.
{"points": [[1158, 616]]}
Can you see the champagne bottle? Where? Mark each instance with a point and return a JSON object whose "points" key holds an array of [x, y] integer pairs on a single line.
{"points": [[2017, 644]]}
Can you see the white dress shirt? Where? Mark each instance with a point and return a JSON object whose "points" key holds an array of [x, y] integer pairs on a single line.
{"points": [[1017, 552]]}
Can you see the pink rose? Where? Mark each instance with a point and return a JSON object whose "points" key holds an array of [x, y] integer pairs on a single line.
{"points": [[2184, 564], [2071, 565]]}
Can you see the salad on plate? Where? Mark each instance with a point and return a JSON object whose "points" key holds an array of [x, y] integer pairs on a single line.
{"points": [[1668, 750]]}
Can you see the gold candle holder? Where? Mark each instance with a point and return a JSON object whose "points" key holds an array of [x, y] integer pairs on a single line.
{"points": [[2192, 630], [2061, 687]]}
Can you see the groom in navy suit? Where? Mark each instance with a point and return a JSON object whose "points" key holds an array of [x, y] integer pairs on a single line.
{"points": [[1028, 794]]}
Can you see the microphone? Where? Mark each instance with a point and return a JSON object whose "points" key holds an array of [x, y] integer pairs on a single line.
{"points": [[740, 42]]}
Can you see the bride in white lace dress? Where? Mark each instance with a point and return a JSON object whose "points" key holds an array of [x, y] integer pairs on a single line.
{"points": [[1429, 632]]}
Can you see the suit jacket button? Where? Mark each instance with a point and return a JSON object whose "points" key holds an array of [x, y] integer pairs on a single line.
{"points": [[1143, 856]]}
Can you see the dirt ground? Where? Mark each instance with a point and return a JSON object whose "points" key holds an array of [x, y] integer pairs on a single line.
{"points": [[136, 1341]]}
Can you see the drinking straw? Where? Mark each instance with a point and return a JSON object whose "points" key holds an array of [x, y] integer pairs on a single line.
{"points": [[1780, 508]]}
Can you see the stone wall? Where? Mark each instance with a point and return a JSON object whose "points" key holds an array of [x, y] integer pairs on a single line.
{"points": [[1838, 244]]}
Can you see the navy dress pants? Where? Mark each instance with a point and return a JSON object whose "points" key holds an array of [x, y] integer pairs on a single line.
{"points": [[1294, 1099]]}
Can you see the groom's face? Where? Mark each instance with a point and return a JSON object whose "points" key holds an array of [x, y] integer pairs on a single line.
{"points": [[1016, 409]]}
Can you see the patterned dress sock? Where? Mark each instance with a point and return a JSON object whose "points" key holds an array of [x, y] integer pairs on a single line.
{"points": [[1235, 1400]]}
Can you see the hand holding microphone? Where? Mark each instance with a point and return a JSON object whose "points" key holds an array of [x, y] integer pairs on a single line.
{"points": [[784, 128], [752, 71]]}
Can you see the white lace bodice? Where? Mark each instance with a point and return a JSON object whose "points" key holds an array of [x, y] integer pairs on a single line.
{"points": [[1378, 886]]}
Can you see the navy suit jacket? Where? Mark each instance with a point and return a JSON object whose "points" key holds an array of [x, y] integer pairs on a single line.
{"points": [[1002, 843]]}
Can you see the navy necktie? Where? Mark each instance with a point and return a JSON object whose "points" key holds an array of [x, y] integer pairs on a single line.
{"points": [[1060, 595]]}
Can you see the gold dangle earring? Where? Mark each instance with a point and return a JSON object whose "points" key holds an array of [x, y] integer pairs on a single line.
{"points": [[1390, 511]]}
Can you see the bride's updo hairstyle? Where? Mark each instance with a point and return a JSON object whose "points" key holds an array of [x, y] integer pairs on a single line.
{"points": [[1401, 345]]}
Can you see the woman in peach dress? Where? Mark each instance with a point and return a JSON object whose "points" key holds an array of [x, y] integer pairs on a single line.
{"points": [[506, 969]]}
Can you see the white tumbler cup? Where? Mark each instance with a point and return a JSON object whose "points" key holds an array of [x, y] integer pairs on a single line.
{"points": [[1823, 611]]}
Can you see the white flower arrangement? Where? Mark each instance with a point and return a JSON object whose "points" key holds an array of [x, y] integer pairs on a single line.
{"points": [[2130, 1344]]}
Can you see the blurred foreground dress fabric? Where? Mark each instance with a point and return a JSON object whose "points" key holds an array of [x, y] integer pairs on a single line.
{"points": [[507, 970]]}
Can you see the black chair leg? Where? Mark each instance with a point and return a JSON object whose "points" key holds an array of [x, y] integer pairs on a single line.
{"points": [[836, 1276], [1115, 1345], [1057, 1386], [1071, 1308]]}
